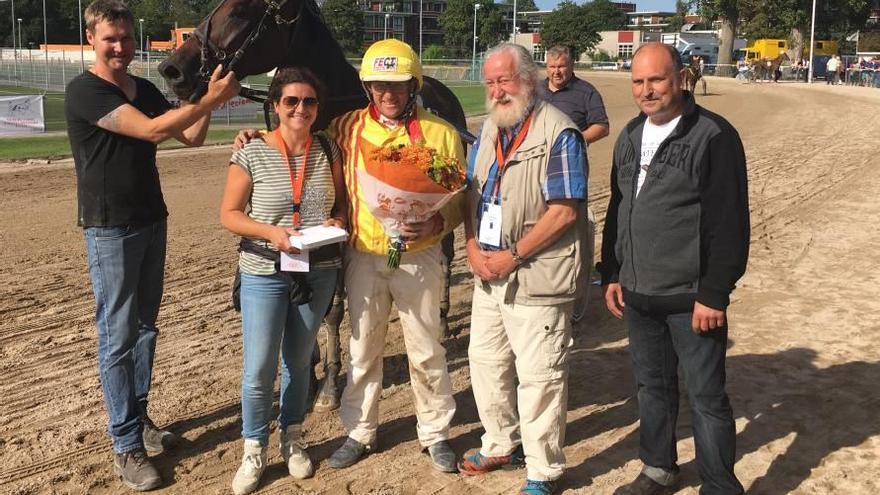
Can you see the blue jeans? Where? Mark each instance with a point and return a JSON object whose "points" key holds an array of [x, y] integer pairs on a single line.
{"points": [[658, 344], [270, 322], [126, 267]]}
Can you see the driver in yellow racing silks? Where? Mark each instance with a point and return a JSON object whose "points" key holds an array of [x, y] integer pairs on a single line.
{"points": [[392, 77]]}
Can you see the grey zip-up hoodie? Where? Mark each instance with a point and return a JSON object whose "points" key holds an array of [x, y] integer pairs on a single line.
{"points": [[685, 237]]}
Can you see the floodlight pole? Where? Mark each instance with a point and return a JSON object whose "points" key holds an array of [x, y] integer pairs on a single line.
{"points": [[474, 56], [46, 43], [812, 43]]}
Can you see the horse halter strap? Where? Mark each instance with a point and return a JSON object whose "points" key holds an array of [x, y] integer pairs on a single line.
{"points": [[273, 11]]}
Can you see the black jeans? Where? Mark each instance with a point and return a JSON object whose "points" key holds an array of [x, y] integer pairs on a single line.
{"points": [[658, 344]]}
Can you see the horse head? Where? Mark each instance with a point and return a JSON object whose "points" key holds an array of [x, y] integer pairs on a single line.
{"points": [[244, 36], [255, 36]]}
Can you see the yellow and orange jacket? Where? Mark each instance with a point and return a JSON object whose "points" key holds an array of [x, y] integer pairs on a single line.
{"points": [[367, 233]]}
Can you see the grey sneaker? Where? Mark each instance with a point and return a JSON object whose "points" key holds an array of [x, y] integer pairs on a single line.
{"points": [[253, 463], [349, 453], [443, 457], [136, 470], [293, 451], [156, 440]]}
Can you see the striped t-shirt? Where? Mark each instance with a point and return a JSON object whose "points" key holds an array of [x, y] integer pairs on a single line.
{"points": [[271, 200]]}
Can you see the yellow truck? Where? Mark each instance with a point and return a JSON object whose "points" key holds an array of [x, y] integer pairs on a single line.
{"points": [[770, 48], [178, 36]]}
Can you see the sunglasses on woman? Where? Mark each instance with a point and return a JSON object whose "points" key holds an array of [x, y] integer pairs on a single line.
{"points": [[293, 101]]}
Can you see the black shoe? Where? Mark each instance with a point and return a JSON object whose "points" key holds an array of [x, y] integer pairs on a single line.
{"points": [[157, 441], [349, 453], [443, 457], [643, 485], [136, 470]]}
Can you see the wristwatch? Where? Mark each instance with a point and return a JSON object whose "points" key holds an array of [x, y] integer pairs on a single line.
{"points": [[516, 257]]}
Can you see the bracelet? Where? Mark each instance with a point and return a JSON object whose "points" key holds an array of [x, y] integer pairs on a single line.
{"points": [[516, 257]]}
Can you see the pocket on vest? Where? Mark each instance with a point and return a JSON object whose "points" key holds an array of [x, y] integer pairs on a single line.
{"points": [[551, 273]]}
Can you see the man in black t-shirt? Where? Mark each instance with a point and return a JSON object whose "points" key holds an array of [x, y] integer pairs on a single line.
{"points": [[114, 123]]}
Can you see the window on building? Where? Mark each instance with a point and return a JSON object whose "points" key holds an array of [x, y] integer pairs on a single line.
{"points": [[538, 53], [625, 50]]}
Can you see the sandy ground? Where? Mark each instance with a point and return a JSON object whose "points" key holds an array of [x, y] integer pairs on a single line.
{"points": [[803, 365]]}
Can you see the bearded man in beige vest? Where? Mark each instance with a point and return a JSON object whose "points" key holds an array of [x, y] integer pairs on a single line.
{"points": [[525, 234]]}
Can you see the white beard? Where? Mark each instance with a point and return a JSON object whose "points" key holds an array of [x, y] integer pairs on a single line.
{"points": [[508, 115]]}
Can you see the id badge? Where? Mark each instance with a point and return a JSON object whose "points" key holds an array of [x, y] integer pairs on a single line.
{"points": [[295, 262], [490, 225]]}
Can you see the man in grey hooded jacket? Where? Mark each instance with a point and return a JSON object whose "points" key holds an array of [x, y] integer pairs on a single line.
{"points": [[675, 242]]}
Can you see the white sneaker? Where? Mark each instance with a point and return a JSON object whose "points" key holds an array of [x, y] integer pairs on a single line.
{"points": [[253, 463], [293, 450]]}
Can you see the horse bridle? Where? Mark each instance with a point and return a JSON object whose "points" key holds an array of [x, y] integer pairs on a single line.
{"points": [[208, 48]]}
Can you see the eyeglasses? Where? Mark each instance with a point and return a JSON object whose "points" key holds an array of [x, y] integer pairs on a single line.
{"points": [[389, 87], [504, 81], [293, 101]]}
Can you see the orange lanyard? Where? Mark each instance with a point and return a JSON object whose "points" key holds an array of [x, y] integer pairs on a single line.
{"points": [[502, 157], [296, 181]]}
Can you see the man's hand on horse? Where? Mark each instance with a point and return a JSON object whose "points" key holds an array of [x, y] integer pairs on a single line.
{"points": [[221, 89], [245, 136]]}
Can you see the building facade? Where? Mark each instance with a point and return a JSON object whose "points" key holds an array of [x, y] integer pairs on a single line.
{"points": [[400, 19]]}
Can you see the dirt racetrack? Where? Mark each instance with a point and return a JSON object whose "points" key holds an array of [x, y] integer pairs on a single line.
{"points": [[803, 365]]}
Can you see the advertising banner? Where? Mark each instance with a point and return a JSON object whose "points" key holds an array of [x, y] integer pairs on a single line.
{"points": [[21, 114]]}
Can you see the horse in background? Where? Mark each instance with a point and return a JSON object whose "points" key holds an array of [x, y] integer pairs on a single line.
{"points": [[766, 69], [695, 74]]}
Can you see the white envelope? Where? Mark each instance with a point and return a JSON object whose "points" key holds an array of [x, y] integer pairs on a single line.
{"points": [[314, 237]]}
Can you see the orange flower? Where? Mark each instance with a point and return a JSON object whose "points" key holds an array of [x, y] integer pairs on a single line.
{"points": [[445, 171]]}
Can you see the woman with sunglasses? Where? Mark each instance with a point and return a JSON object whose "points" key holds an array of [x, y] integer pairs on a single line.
{"points": [[276, 186]]}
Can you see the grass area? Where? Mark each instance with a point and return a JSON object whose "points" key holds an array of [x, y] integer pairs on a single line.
{"points": [[58, 146], [470, 95]]}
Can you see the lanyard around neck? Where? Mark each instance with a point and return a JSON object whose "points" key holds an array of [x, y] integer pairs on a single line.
{"points": [[501, 157], [296, 181]]}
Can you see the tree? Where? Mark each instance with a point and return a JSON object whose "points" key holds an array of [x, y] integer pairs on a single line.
{"points": [[433, 52], [570, 25], [677, 21], [457, 23], [602, 15], [577, 27], [791, 19], [490, 26], [346, 22], [728, 12], [523, 5]]}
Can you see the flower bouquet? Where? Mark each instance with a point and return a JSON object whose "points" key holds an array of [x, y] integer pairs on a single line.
{"points": [[406, 183]]}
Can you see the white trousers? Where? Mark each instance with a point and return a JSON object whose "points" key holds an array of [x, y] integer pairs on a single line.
{"points": [[415, 288], [513, 343]]}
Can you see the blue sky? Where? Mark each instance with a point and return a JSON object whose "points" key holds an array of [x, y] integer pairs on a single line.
{"points": [[668, 5]]}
